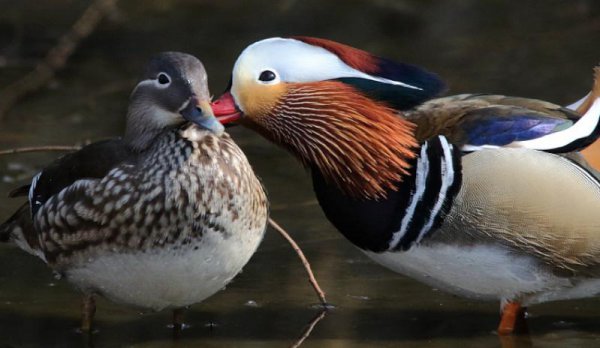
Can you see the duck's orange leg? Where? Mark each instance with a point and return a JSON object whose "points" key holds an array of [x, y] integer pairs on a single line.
{"points": [[513, 318]]}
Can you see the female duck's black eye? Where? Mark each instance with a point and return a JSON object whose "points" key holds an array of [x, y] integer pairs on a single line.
{"points": [[267, 76], [163, 78]]}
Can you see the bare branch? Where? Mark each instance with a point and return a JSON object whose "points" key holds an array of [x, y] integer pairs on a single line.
{"points": [[57, 56], [311, 276], [40, 149]]}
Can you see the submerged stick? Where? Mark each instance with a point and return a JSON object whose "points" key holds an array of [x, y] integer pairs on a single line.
{"points": [[309, 328], [311, 276], [57, 57], [40, 148]]}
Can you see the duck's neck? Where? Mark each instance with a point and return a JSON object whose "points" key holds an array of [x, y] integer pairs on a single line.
{"points": [[144, 124], [361, 146]]}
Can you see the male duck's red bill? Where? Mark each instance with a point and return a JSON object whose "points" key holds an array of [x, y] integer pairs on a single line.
{"points": [[225, 109]]}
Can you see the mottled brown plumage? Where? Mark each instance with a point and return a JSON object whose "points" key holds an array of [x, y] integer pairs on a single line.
{"points": [[180, 190], [163, 218]]}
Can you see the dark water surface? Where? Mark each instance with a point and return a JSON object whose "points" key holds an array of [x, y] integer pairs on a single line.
{"points": [[542, 49]]}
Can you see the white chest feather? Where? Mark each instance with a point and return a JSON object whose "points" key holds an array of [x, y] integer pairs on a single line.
{"points": [[485, 273], [164, 278]]}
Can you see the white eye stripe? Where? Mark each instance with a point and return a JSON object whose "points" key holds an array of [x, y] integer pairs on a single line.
{"points": [[296, 61], [142, 83], [153, 82]]}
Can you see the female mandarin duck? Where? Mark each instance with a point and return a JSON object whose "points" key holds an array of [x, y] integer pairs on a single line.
{"points": [[162, 218], [480, 195]]}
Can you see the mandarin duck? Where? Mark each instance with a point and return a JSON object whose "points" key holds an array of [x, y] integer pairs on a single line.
{"points": [[162, 218], [484, 196]]}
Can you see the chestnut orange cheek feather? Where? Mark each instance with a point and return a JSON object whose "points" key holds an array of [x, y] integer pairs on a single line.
{"points": [[360, 145], [256, 100]]}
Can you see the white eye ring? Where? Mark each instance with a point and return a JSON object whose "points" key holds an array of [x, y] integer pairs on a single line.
{"points": [[268, 77], [163, 80]]}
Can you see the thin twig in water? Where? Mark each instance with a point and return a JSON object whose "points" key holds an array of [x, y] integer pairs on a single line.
{"points": [[57, 56], [309, 328], [311, 276], [40, 148]]}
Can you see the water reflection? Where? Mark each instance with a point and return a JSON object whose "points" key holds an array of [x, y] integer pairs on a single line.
{"points": [[517, 48]]}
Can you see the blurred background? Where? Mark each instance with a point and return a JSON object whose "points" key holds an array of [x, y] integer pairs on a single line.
{"points": [[538, 49]]}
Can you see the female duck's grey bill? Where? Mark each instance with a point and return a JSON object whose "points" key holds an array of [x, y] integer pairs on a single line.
{"points": [[201, 114]]}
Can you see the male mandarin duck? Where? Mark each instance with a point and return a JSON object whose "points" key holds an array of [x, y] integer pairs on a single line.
{"points": [[162, 218], [481, 195]]}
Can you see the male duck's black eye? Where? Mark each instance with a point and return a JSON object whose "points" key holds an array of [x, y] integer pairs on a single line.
{"points": [[267, 76], [163, 78]]}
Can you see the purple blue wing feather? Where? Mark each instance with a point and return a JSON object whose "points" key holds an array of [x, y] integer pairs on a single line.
{"points": [[493, 120]]}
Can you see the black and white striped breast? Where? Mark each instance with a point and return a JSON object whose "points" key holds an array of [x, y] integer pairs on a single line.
{"points": [[406, 216]]}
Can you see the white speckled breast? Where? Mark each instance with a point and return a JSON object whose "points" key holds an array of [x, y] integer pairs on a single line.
{"points": [[167, 232]]}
